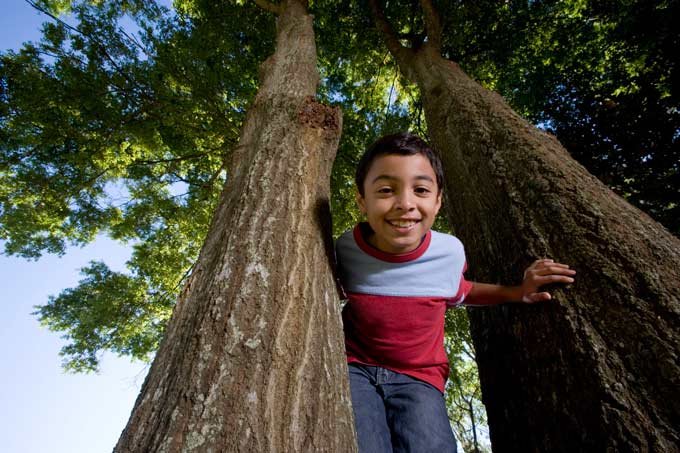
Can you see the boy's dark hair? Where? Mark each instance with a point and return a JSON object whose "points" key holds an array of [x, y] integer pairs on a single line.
{"points": [[402, 144]]}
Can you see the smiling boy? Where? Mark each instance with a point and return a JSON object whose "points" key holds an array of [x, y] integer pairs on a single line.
{"points": [[400, 277]]}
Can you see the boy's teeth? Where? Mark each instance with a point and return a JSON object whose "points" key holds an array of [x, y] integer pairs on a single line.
{"points": [[402, 223]]}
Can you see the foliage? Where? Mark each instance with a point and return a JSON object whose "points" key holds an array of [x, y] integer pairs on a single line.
{"points": [[463, 391], [601, 76], [104, 312], [361, 78], [125, 133]]}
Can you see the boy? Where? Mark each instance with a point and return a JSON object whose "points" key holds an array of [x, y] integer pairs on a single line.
{"points": [[399, 277]]}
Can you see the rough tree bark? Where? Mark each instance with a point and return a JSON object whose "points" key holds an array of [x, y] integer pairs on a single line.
{"points": [[598, 368], [253, 357]]}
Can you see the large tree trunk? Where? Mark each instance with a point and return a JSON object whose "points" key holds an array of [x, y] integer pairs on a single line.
{"points": [[598, 368], [253, 357]]}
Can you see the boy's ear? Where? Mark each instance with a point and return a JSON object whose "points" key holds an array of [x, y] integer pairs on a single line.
{"points": [[360, 202], [439, 202]]}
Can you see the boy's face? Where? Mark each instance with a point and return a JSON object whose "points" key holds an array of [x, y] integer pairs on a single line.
{"points": [[401, 200]]}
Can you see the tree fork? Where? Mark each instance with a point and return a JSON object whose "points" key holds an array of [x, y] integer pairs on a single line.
{"points": [[253, 357], [597, 369]]}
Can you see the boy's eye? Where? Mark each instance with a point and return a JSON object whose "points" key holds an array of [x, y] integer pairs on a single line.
{"points": [[422, 190], [385, 190]]}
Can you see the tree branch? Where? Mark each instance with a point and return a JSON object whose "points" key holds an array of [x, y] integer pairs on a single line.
{"points": [[134, 41], [474, 425], [433, 24], [269, 6], [216, 174], [99, 44], [398, 51], [173, 159], [389, 98], [376, 76]]}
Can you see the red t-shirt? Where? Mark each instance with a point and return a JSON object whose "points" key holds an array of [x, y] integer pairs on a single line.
{"points": [[394, 316]]}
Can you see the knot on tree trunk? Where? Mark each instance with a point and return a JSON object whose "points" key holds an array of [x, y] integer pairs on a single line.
{"points": [[318, 116]]}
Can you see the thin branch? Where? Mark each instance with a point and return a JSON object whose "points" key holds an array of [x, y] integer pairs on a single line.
{"points": [[91, 180], [133, 40], [389, 98], [63, 55], [433, 25], [376, 76], [178, 178], [173, 159], [474, 425], [269, 6], [99, 44], [416, 103], [216, 175], [468, 351], [55, 18]]}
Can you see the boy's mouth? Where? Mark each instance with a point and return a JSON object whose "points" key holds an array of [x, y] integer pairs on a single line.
{"points": [[402, 223]]}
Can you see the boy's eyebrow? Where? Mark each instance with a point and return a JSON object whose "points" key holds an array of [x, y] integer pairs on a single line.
{"points": [[393, 178]]}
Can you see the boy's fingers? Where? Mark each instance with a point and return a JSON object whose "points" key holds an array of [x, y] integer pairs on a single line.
{"points": [[553, 278], [547, 262], [555, 270], [553, 265], [566, 266], [538, 263], [538, 297]]}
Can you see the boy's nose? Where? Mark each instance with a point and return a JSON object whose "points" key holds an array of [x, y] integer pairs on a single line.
{"points": [[405, 202]]}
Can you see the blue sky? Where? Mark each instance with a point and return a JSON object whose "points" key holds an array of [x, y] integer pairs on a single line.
{"points": [[43, 408]]}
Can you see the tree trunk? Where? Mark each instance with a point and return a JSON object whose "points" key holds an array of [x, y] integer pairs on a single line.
{"points": [[597, 369], [253, 357]]}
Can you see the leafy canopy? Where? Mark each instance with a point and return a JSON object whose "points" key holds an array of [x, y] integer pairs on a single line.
{"points": [[121, 119], [127, 133]]}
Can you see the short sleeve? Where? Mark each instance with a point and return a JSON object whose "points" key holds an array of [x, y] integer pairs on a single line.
{"points": [[464, 288]]}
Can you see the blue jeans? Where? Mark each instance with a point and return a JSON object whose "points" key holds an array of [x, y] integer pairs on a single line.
{"points": [[397, 413]]}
